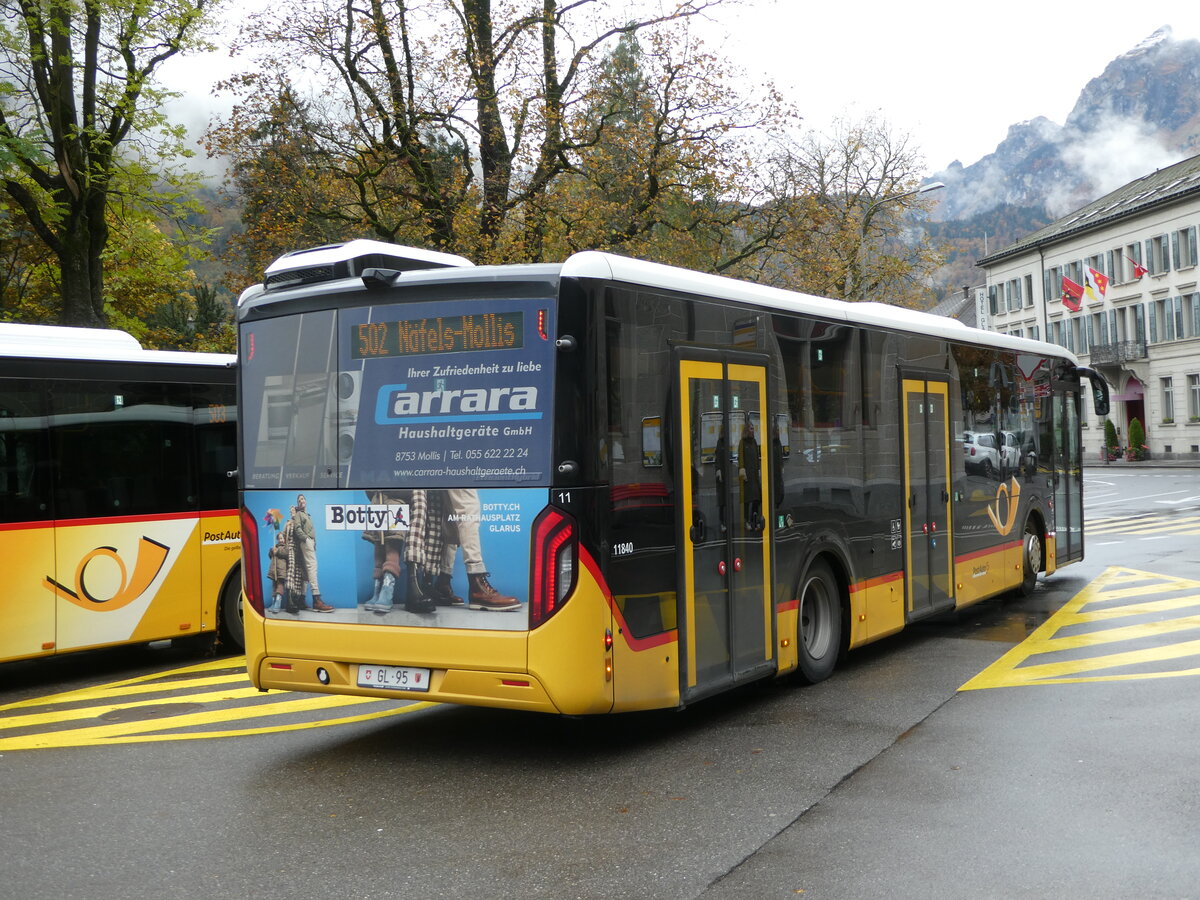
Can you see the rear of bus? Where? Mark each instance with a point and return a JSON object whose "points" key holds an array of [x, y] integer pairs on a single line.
{"points": [[405, 529]]}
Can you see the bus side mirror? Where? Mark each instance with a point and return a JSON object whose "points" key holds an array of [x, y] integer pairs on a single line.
{"points": [[1099, 389]]}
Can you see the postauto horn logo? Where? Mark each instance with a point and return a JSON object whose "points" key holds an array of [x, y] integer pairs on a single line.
{"points": [[1003, 512], [150, 558]]}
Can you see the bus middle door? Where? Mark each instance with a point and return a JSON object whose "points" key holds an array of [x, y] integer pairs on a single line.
{"points": [[727, 626], [929, 562]]}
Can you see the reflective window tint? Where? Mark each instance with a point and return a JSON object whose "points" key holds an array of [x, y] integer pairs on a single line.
{"points": [[121, 448], [24, 468], [215, 419], [289, 411]]}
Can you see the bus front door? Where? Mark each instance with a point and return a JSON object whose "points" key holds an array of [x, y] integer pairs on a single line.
{"points": [[725, 602], [929, 562], [1068, 476]]}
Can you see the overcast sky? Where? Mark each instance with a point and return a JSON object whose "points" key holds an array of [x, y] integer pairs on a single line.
{"points": [[952, 74]]}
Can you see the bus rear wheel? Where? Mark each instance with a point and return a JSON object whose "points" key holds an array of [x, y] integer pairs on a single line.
{"points": [[819, 623], [233, 626]]}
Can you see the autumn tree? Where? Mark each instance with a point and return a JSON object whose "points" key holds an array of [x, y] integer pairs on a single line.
{"points": [[664, 168], [146, 267], [82, 125], [285, 200], [449, 124], [855, 190]]}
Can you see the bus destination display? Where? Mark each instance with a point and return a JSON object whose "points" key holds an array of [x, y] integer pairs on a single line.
{"points": [[440, 334]]}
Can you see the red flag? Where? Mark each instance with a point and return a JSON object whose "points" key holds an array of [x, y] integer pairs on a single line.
{"points": [[1138, 269], [1072, 293]]}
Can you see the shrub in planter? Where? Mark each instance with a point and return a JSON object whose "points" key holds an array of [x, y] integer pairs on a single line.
{"points": [[1137, 440], [1111, 448]]}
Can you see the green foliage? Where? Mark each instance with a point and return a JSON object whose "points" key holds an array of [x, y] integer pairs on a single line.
{"points": [[1137, 440], [65, 162], [1110, 438], [199, 321]]}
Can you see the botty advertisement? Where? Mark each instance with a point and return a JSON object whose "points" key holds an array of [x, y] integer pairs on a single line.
{"points": [[427, 557]]}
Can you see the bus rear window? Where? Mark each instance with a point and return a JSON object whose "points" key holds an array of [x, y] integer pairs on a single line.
{"points": [[290, 402]]}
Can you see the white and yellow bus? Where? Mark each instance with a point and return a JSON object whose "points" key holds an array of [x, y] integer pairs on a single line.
{"points": [[608, 485], [118, 492]]}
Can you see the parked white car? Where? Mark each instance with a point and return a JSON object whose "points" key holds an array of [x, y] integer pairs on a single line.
{"points": [[1010, 452], [981, 453]]}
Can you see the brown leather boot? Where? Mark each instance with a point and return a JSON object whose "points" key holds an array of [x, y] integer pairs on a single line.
{"points": [[320, 605], [484, 596]]}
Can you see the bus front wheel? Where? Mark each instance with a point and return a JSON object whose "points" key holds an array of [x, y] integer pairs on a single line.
{"points": [[819, 625]]}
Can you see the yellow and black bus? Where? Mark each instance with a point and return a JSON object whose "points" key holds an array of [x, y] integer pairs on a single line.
{"points": [[118, 492], [609, 485]]}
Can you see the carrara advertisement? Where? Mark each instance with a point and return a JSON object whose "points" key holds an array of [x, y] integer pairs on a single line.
{"points": [[449, 394]]}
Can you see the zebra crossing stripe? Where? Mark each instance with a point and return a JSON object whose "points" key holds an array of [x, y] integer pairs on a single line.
{"points": [[1121, 627], [182, 704]]}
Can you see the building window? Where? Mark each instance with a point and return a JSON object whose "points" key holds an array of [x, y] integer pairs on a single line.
{"points": [[1178, 305], [1012, 295], [1195, 315], [992, 302], [1131, 258], [1158, 259], [1168, 401], [1193, 398], [1028, 290], [1035, 332], [1183, 246]]}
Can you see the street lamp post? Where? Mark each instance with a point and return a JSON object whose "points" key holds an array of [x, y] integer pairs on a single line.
{"points": [[854, 276]]}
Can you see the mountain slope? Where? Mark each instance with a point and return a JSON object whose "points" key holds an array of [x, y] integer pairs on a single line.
{"points": [[1140, 114]]}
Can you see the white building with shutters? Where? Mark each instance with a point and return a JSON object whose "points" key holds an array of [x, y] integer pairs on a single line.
{"points": [[1143, 334]]}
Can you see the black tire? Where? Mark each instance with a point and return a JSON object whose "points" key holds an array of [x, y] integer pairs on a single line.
{"points": [[233, 626], [987, 468], [1032, 549], [818, 623]]}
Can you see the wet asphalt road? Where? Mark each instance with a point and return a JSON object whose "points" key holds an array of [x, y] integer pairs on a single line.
{"points": [[886, 780]]}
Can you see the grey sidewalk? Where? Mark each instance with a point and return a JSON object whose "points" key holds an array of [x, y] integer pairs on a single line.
{"points": [[1090, 463]]}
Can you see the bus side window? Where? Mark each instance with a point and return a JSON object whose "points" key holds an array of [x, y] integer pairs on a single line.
{"points": [[137, 434], [24, 464]]}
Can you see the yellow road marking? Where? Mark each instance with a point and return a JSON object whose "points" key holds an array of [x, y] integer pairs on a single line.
{"points": [[1145, 525], [87, 705], [1045, 656]]}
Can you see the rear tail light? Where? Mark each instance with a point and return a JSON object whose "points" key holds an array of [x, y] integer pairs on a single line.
{"points": [[251, 567], [553, 570]]}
